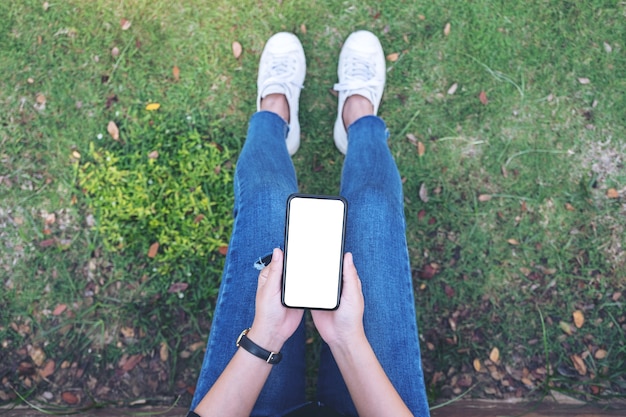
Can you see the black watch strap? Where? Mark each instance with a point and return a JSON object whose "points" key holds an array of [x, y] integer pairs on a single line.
{"points": [[270, 357]]}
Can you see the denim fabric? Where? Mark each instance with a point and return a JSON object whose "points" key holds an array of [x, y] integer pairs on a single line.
{"points": [[375, 234]]}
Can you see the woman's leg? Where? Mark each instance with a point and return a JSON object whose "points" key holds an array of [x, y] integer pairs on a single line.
{"points": [[376, 237], [264, 178]]}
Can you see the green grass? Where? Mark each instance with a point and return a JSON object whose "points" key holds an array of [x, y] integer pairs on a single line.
{"points": [[546, 148]]}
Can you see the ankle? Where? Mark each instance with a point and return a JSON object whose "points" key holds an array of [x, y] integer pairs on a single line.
{"points": [[276, 103], [354, 108]]}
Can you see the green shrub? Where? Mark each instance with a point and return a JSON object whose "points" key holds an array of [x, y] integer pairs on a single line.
{"points": [[165, 181]]}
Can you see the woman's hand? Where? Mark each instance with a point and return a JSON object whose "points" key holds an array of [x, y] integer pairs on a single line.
{"points": [[345, 324], [273, 322]]}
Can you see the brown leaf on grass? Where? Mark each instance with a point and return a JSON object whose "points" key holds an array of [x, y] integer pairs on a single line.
{"points": [[600, 354], [612, 193], [125, 24], [37, 355], [198, 218], [69, 397], [48, 369], [153, 155], [579, 318], [484, 197], [428, 271], [483, 97], [567, 328], [130, 363], [411, 137], [584, 80], [164, 352], [421, 149], [154, 249], [452, 89], [494, 355], [48, 242], [113, 130], [303, 29], [446, 29], [423, 193], [223, 250], [59, 309], [393, 57], [176, 73], [579, 364], [569, 207], [449, 291], [237, 49], [477, 365], [178, 287], [513, 242], [421, 214]]}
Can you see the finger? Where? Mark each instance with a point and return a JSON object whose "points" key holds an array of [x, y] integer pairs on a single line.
{"points": [[275, 272], [350, 274]]}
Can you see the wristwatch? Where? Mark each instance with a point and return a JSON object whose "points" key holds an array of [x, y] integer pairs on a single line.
{"points": [[270, 357]]}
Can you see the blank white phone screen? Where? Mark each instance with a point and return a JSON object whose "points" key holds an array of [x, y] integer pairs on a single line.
{"points": [[314, 252]]}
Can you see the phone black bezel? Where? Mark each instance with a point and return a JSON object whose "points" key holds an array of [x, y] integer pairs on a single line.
{"points": [[286, 246]]}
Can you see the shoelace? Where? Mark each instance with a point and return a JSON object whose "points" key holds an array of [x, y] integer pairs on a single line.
{"points": [[281, 71], [359, 73]]}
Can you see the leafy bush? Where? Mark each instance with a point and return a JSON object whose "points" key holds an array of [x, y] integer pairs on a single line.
{"points": [[162, 182]]}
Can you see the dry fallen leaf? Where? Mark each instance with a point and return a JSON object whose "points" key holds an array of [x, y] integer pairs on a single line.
{"points": [[237, 49], [303, 29], [494, 355], [579, 318], [115, 51], [421, 149], [477, 365], [59, 309], [164, 352], [153, 106], [154, 248], [446, 29], [612, 193], [69, 398], [37, 355], [569, 207], [223, 250], [130, 363], [513, 242], [584, 80], [393, 57], [153, 155], [453, 88], [176, 72], [423, 193], [113, 130], [48, 369], [484, 197], [608, 48], [566, 327], [600, 354], [75, 155], [125, 24], [579, 364], [483, 97], [178, 287]]}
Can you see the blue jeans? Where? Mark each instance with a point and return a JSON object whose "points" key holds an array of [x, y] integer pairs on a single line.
{"points": [[375, 235]]}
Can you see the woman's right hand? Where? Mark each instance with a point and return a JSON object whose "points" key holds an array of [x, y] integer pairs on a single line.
{"points": [[345, 324]]}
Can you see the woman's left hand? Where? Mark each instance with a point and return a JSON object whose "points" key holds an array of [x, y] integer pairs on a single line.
{"points": [[273, 322]]}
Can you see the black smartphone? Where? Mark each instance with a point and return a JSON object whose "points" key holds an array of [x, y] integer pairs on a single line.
{"points": [[315, 231]]}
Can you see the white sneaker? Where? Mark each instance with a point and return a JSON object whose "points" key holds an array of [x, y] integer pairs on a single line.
{"points": [[361, 71], [281, 71]]}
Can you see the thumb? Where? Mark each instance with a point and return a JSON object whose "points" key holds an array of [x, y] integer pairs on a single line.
{"points": [[271, 274], [350, 274]]}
